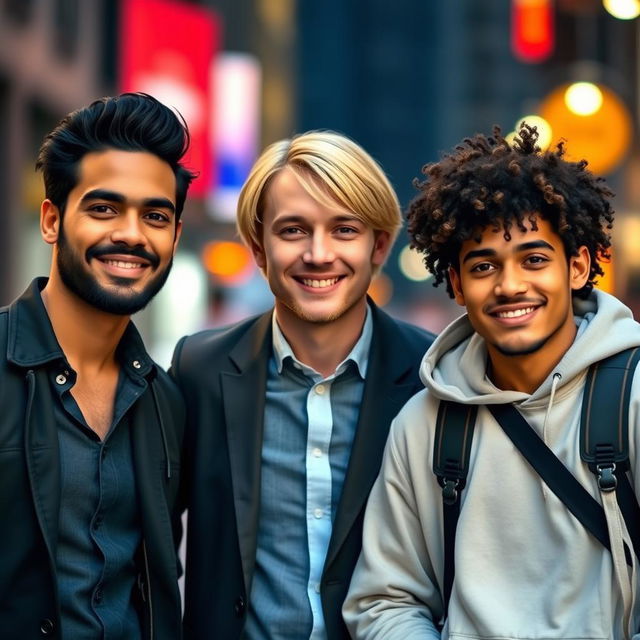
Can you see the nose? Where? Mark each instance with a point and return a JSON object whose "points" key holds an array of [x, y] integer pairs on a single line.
{"points": [[511, 282], [319, 250], [128, 229]]}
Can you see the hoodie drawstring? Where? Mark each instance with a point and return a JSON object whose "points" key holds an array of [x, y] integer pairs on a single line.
{"points": [[554, 384]]}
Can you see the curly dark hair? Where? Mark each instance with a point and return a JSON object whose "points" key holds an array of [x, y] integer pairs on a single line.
{"points": [[488, 182]]}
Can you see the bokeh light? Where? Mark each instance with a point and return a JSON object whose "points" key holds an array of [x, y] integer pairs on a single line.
{"points": [[545, 133], [412, 266], [583, 98], [623, 9]]}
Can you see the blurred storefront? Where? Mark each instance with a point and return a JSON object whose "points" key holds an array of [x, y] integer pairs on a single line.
{"points": [[406, 79]]}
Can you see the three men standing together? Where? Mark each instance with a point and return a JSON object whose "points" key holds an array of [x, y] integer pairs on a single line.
{"points": [[271, 432]]}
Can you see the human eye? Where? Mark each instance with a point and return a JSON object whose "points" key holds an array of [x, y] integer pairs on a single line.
{"points": [[536, 261], [290, 232], [346, 230], [482, 268], [157, 218], [101, 210]]}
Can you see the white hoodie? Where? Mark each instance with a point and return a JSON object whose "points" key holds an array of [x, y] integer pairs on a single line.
{"points": [[525, 568]]}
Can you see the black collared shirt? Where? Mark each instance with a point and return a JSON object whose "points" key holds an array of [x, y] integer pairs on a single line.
{"points": [[99, 530]]}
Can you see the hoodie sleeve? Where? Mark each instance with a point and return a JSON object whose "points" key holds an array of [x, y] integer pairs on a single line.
{"points": [[393, 592]]}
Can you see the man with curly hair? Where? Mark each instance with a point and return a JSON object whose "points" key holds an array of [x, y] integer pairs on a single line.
{"points": [[516, 234]]}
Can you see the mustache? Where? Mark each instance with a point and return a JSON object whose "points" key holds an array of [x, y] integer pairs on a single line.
{"points": [[110, 249]]}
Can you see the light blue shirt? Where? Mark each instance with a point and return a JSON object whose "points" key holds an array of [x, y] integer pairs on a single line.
{"points": [[309, 426]]}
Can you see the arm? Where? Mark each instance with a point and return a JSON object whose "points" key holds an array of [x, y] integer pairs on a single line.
{"points": [[393, 592]]}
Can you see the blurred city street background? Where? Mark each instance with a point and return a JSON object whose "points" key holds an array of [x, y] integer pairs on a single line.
{"points": [[407, 79]]}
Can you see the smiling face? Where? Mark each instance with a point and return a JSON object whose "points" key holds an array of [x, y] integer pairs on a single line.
{"points": [[115, 243], [317, 259], [518, 293]]}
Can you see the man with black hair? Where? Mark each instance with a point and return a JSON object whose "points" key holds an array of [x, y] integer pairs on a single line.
{"points": [[516, 234], [91, 429]]}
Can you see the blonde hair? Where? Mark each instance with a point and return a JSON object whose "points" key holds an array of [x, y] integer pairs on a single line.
{"points": [[332, 169]]}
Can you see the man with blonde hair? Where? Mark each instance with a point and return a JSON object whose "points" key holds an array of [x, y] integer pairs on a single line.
{"points": [[288, 412]]}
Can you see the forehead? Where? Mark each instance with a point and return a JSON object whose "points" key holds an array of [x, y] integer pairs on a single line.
{"points": [[492, 238], [290, 194], [135, 174]]}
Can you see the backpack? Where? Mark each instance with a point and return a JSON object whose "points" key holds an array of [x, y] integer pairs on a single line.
{"points": [[604, 447]]}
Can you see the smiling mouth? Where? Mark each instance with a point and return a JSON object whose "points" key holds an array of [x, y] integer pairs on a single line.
{"points": [[319, 284], [515, 313], [121, 264]]}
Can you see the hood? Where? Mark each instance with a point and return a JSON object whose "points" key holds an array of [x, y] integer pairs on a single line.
{"points": [[454, 368]]}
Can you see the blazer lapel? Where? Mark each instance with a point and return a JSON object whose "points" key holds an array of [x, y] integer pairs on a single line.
{"points": [[383, 398], [243, 394]]}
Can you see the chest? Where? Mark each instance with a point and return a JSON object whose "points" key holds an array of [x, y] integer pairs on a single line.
{"points": [[95, 396]]}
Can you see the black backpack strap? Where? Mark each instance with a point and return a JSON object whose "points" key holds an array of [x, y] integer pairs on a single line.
{"points": [[555, 475], [604, 432], [452, 446]]}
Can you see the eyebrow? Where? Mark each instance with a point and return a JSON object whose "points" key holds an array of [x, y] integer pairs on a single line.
{"points": [[525, 246], [296, 217], [114, 196]]}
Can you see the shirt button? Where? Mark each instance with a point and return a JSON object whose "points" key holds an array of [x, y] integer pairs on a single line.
{"points": [[47, 627], [320, 389], [97, 596], [136, 364], [317, 452], [61, 379], [318, 513], [239, 606]]}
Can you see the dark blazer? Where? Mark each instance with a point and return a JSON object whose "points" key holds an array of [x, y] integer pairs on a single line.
{"points": [[223, 374], [30, 481]]}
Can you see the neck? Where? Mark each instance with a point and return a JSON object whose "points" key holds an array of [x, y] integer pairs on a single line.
{"points": [[88, 337], [322, 345]]}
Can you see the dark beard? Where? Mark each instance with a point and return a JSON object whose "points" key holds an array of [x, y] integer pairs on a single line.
{"points": [[122, 300]]}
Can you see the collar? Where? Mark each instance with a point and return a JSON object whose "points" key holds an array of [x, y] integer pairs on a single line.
{"points": [[359, 355], [32, 341]]}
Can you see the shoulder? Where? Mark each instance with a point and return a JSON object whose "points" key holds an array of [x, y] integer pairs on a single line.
{"points": [[412, 334], [167, 387], [216, 340], [206, 349]]}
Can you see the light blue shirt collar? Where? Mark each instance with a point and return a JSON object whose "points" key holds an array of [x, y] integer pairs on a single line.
{"points": [[359, 354]]}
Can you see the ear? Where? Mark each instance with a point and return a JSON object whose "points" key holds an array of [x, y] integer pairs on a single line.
{"points": [[177, 237], [456, 286], [258, 255], [579, 268], [381, 247], [50, 222]]}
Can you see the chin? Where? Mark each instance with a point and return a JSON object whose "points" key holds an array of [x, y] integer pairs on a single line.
{"points": [[514, 350]]}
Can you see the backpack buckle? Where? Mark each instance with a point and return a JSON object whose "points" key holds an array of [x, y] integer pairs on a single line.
{"points": [[607, 480], [450, 490]]}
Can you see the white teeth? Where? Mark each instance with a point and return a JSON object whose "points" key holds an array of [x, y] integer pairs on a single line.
{"points": [[319, 284], [123, 265], [516, 314]]}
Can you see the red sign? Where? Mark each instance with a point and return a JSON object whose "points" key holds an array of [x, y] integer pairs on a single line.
{"points": [[166, 51], [532, 32]]}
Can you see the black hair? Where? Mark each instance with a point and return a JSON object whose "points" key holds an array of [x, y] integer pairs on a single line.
{"points": [[488, 182], [128, 122]]}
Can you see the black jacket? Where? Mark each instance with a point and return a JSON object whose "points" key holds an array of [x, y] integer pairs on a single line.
{"points": [[30, 480], [223, 378]]}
